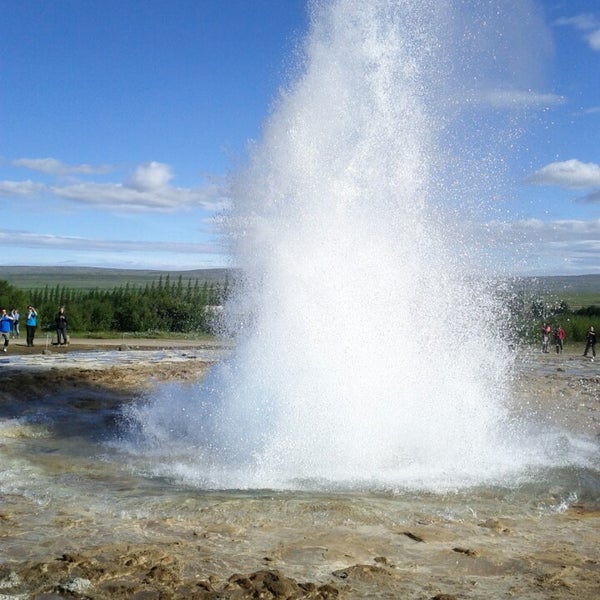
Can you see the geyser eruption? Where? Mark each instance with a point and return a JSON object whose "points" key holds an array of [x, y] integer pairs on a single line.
{"points": [[368, 349]]}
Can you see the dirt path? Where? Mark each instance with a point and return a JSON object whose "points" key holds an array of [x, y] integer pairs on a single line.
{"points": [[44, 344]]}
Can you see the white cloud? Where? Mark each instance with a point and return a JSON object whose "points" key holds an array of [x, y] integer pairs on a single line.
{"points": [[123, 198], [594, 40], [570, 174], [148, 189], [150, 176], [52, 166]]}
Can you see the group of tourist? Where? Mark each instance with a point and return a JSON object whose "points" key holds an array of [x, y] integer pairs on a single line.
{"points": [[558, 335], [9, 325]]}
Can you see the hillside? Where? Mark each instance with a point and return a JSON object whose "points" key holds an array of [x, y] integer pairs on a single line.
{"points": [[576, 290], [32, 278]]}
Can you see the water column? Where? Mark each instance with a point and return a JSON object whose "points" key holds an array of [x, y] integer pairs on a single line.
{"points": [[368, 348], [368, 337]]}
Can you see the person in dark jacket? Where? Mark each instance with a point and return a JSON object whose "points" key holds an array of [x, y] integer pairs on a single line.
{"points": [[61, 326], [590, 342]]}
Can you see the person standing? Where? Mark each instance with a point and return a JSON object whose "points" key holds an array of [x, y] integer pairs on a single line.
{"points": [[31, 324], [546, 329], [559, 336], [5, 327], [590, 342], [61, 326], [14, 313]]}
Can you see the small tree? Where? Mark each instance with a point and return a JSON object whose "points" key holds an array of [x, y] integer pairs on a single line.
{"points": [[11, 297]]}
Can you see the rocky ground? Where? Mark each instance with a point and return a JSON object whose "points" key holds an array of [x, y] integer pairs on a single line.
{"points": [[292, 547]]}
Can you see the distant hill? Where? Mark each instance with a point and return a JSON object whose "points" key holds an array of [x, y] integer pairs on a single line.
{"points": [[32, 278], [572, 283], [576, 290]]}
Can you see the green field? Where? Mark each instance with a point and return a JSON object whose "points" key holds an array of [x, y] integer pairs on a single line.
{"points": [[90, 278]]}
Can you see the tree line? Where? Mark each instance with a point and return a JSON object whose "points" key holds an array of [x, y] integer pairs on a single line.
{"points": [[160, 306], [191, 306], [574, 322]]}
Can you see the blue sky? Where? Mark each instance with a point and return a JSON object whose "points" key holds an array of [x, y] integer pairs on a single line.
{"points": [[120, 120]]}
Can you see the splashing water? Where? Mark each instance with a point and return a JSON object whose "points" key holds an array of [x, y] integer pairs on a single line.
{"points": [[367, 335]]}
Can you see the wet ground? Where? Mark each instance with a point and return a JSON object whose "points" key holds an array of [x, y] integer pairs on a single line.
{"points": [[78, 521]]}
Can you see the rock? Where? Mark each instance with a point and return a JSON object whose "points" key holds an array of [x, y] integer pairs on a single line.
{"points": [[413, 536], [496, 525], [273, 585], [363, 573], [8, 578], [260, 582], [76, 585], [165, 575], [466, 551]]}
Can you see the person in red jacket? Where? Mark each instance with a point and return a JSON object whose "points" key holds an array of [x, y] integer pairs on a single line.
{"points": [[546, 330], [559, 336]]}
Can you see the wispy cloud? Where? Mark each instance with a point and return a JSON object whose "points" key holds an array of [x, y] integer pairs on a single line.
{"points": [[21, 188], [52, 166], [570, 174], [124, 198], [588, 24], [566, 230], [147, 189], [81, 244], [517, 99], [562, 246], [592, 110]]}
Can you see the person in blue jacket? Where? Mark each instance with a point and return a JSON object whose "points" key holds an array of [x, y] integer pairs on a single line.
{"points": [[6, 322], [31, 324]]}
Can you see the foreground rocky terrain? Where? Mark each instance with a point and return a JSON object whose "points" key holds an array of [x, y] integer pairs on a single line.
{"points": [[298, 545]]}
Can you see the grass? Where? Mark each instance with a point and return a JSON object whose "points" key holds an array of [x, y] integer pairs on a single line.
{"points": [[133, 335], [576, 301]]}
